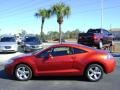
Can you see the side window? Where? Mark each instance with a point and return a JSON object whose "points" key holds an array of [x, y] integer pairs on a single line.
{"points": [[60, 51], [106, 32], [77, 51], [44, 53]]}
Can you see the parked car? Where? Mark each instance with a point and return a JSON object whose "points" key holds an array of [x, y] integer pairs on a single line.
{"points": [[96, 37], [62, 60], [32, 43], [8, 44], [57, 39]]}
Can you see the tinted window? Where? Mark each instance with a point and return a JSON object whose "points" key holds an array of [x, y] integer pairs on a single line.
{"points": [[77, 51], [32, 39], [60, 51], [94, 31], [7, 39]]}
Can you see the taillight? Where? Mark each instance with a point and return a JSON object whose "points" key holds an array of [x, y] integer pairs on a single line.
{"points": [[80, 37], [94, 37]]}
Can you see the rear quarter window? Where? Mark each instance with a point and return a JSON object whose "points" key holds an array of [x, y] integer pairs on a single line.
{"points": [[78, 51]]}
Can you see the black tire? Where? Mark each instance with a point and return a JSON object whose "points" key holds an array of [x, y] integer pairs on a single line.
{"points": [[94, 75], [23, 72], [100, 45]]}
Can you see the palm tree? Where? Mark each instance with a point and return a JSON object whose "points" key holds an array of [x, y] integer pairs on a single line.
{"points": [[60, 10], [43, 13]]}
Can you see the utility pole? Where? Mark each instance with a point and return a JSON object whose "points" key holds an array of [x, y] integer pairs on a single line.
{"points": [[0, 29], [102, 5], [110, 27]]}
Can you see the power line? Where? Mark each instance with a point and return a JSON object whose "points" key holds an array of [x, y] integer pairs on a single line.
{"points": [[97, 9], [85, 11], [15, 11]]}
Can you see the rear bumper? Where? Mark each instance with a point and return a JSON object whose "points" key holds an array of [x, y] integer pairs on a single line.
{"points": [[110, 66]]}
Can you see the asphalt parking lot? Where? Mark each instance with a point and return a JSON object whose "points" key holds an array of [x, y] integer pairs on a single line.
{"points": [[109, 82]]}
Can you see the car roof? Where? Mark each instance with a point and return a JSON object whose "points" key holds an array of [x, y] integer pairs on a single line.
{"points": [[2, 36], [80, 46]]}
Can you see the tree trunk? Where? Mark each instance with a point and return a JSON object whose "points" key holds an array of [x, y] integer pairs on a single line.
{"points": [[42, 28], [60, 34]]}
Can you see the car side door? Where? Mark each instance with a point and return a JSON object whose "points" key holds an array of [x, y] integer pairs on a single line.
{"points": [[56, 61]]}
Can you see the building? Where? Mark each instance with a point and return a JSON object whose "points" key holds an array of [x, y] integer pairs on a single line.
{"points": [[116, 33]]}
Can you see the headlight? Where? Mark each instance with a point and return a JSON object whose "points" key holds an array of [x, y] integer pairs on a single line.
{"points": [[9, 61], [27, 45], [15, 46], [41, 46]]}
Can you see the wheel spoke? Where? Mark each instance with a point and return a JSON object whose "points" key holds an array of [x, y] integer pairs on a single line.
{"points": [[98, 73], [95, 77], [23, 68], [91, 70], [25, 76], [91, 74], [19, 71], [96, 69], [26, 72], [20, 76]]}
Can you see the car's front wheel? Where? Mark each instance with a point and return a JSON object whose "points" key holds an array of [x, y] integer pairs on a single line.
{"points": [[94, 72], [23, 72]]}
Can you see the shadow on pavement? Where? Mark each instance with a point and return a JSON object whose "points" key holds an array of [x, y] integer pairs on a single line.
{"points": [[60, 78], [3, 75]]}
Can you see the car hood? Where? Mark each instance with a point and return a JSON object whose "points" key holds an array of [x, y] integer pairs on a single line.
{"points": [[33, 43], [21, 56], [7, 43]]}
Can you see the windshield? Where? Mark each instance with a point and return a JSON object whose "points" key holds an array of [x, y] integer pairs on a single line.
{"points": [[35, 52], [94, 31], [7, 39], [32, 39]]}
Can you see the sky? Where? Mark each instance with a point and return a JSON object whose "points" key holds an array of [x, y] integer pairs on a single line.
{"points": [[18, 15]]}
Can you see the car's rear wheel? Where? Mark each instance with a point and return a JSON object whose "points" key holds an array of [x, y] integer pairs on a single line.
{"points": [[94, 72], [100, 45], [23, 72]]}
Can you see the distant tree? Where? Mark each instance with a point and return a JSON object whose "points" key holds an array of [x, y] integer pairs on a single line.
{"points": [[23, 33], [43, 13], [52, 35], [60, 10]]}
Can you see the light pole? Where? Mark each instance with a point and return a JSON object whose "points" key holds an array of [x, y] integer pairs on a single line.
{"points": [[102, 5]]}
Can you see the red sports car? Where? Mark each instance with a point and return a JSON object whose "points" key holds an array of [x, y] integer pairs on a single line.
{"points": [[62, 60]]}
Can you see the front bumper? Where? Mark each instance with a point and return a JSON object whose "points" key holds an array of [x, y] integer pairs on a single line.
{"points": [[11, 49], [33, 48], [9, 69]]}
